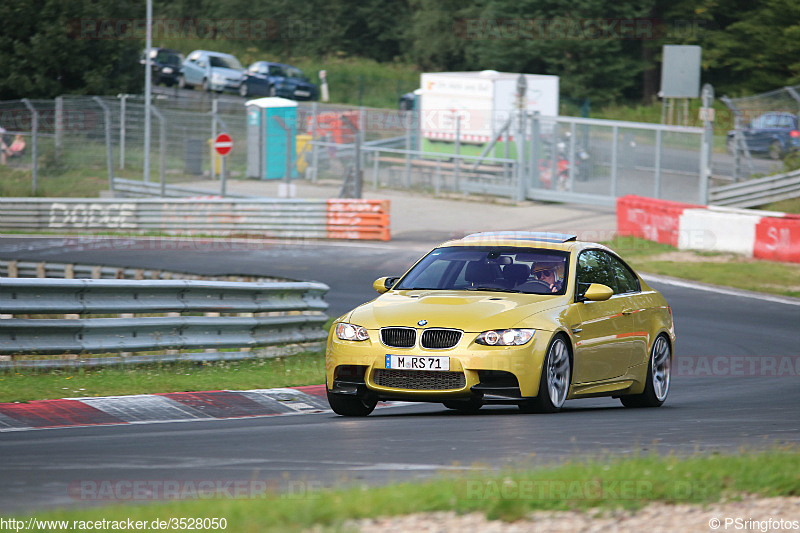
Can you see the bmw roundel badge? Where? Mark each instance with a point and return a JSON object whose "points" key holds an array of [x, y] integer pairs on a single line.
{"points": [[422, 323]]}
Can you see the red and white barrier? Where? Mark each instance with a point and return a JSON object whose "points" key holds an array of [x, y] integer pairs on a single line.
{"points": [[766, 235]]}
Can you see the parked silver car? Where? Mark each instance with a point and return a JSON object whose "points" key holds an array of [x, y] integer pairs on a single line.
{"points": [[213, 71]]}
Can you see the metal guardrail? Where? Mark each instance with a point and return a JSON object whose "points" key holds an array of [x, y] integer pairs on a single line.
{"points": [[266, 218], [294, 314], [757, 192], [32, 269]]}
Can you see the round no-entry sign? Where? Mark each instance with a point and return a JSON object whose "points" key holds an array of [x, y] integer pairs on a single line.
{"points": [[223, 144]]}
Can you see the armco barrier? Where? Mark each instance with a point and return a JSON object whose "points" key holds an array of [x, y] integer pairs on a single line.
{"points": [[255, 315], [766, 235], [267, 218]]}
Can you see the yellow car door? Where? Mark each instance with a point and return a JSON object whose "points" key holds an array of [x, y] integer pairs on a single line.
{"points": [[605, 340]]}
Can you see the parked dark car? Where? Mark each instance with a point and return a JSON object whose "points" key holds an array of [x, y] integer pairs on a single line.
{"points": [[166, 65], [774, 134], [264, 78]]}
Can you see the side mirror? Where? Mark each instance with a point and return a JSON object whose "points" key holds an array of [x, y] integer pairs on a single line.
{"points": [[382, 285], [598, 293]]}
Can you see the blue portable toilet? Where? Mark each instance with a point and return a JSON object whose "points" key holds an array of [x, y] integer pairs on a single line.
{"points": [[266, 139]]}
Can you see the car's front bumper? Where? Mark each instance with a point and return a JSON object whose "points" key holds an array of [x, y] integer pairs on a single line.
{"points": [[494, 373]]}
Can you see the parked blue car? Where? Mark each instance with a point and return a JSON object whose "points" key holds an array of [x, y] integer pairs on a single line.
{"points": [[264, 78], [213, 71], [774, 134]]}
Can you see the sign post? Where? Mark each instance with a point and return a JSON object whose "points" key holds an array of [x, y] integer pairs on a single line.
{"points": [[223, 144]]}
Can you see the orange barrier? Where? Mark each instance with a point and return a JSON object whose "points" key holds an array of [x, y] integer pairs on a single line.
{"points": [[358, 219]]}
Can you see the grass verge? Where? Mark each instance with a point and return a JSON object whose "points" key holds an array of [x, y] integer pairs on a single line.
{"points": [[24, 385], [604, 484], [708, 267]]}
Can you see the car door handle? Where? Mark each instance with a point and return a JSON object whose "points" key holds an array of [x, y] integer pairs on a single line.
{"points": [[627, 312]]}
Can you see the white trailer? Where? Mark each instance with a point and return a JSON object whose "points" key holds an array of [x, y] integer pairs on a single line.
{"points": [[483, 101]]}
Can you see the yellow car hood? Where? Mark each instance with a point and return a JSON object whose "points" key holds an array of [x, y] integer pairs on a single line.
{"points": [[465, 310]]}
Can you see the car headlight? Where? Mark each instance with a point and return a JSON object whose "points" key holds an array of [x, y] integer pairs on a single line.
{"points": [[167, 70], [351, 332], [505, 337]]}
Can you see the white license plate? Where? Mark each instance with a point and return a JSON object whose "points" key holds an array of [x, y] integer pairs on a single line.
{"points": [[417, 362], [302, 93]]}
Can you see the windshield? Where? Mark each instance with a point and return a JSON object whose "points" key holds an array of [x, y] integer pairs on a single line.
{"points": [[292, 72], [225, 62], [490, 268]]}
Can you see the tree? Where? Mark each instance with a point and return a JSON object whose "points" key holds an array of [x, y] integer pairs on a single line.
{"points": [[52, 47]]}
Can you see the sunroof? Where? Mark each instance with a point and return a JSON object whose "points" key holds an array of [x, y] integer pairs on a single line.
{"points": [[541, 236]]}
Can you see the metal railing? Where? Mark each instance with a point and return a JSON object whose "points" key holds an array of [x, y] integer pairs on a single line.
{"points": [[757, 192], [266, 218], [155, 315]]}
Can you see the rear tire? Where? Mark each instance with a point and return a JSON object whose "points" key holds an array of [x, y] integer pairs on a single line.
{"points": [[555, 381], [243, 90], [659, 371], [347, 405], [182, 83]]}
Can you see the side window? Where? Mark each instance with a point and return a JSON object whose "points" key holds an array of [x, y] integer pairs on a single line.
{"points": [[626, 279], [593, 267]]}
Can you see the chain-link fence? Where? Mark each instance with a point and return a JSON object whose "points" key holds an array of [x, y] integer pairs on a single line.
{"points": [[550, 158], [766, 126]]}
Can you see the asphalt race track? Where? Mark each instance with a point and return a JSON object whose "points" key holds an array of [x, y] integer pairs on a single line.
{"points": [[735, 384]]}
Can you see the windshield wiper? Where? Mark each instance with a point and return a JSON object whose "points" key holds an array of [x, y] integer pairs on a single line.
{"points": [[495, 289]]}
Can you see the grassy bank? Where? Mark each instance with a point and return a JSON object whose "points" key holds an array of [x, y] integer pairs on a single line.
{"points": [[24, 385], [606, 484], [710, 267]]}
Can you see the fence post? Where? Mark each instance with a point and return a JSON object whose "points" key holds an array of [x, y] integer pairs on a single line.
{"points": [[59, 127], [109, 150], [520, 167], [34, 142], [213, 138], [614, 150], [707, 142], [122, 111], [536, 142], [162, 141], [457, 159], [657, 164], [314, 147], [408, 149]]}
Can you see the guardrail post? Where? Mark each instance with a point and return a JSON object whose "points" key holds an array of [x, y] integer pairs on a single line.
{"points": [[457, 159], [109, 148], [213, 137], [408, 149], [34, 143]]}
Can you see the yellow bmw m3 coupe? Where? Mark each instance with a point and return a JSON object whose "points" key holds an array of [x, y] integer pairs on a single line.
{"points": [[525, 318]]}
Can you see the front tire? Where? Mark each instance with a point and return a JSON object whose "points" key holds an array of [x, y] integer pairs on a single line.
{"points": [[206, 85], [659, 372], [347, 405], [555, 381]]}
